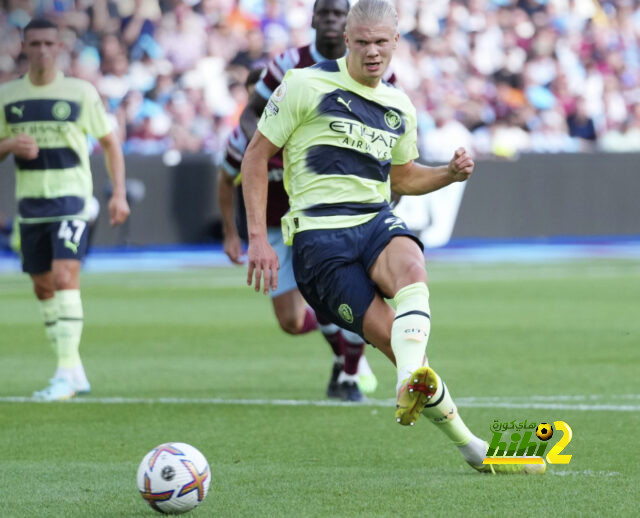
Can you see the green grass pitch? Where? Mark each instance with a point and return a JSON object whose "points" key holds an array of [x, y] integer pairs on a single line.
{"points": [[547, 341]]}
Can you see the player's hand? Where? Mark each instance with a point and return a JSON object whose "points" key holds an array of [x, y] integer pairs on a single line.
{"points": [[461, 165], [25, 147], [263, 262], [118, 209], [233, 248]]}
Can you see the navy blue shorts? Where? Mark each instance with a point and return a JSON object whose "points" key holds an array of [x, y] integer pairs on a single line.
{"points": [[42, 243], [331, 266]]}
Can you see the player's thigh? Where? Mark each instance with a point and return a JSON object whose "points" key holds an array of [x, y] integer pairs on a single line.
{"points": [[399, 264], [69, 239], [36, 250], [335, 287], [69, 244]]}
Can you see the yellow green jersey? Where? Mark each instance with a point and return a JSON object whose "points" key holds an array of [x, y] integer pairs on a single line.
{"points": [[57, 184], [340, 139]]}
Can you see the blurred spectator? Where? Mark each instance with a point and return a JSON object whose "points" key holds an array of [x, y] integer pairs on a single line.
{"points": [[502, 76], [141, 21], [253, 55], [580, 122]]}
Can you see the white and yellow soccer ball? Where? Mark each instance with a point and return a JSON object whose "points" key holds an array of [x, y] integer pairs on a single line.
{"points": [[174, 478]]}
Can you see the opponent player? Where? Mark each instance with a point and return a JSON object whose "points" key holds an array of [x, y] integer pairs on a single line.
{"points": [[348, 139], [350, 372], [45, 118]]}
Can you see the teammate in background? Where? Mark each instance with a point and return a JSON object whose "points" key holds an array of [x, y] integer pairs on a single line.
{"points": [[350, 372], [45, 118], [348, 139]]}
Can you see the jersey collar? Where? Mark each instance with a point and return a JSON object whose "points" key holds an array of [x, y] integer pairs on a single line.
{"points": [[342, 65], [59, 75]]}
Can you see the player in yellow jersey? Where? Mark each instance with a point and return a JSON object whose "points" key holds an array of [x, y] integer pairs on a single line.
{"points": [[349, 138], [45, 119]]}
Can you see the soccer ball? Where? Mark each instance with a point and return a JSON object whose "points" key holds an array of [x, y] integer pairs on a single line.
{"points": [[174, 478], [544, 431]]}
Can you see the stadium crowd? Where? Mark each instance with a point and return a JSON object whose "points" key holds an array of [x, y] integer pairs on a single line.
{"points": [[499, 77]]}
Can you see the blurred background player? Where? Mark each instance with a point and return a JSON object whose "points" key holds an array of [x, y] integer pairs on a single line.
{"points": [[45, 119], [350, 373]]}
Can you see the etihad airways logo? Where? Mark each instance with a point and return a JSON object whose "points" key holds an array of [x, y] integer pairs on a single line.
{"points": [[364, 138]]}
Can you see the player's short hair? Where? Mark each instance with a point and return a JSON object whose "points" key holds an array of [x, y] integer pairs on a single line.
{"points": [[39, 23], [316, 2], [366, 12]]}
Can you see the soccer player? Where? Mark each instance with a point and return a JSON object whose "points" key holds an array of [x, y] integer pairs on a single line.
{"points": [[350, 372], [45, 118], [348, 139]]}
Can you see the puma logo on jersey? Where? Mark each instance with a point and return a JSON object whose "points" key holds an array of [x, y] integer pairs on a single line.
{"points": [[17, 111], [342, 101]]}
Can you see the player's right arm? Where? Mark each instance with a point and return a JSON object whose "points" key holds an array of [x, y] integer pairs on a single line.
{"points": [[263, 260], [22, 146], [114, 160], [286, 109]]}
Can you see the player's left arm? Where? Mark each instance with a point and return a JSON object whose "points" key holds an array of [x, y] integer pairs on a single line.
{"points": [[414, 178], [118, 206]]}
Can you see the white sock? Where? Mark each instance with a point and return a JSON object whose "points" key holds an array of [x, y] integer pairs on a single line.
{"points": [[442, 411], [49, 308], [328, 329], [64, 373], [79, 376], [70, 318], [474, 451], [363, 366], [410, 330], [343, 376]]}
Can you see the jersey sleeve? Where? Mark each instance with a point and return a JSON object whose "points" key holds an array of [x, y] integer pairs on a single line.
{"points": [[234, 152], [286, 109], [275, 71], [95, 120], [406, 147]]}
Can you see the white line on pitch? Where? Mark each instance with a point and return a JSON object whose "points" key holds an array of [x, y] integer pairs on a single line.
{"points": [[462, 402], [584, 472]]}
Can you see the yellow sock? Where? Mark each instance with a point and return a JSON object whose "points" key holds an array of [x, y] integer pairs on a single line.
{"points": [[69, 328], [49, 309], [442, 412], [410, 330]]}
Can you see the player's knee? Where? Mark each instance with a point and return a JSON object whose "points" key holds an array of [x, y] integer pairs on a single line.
{"points": [[413, 272], [43, 291], [64, 279], [289, 323]]}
